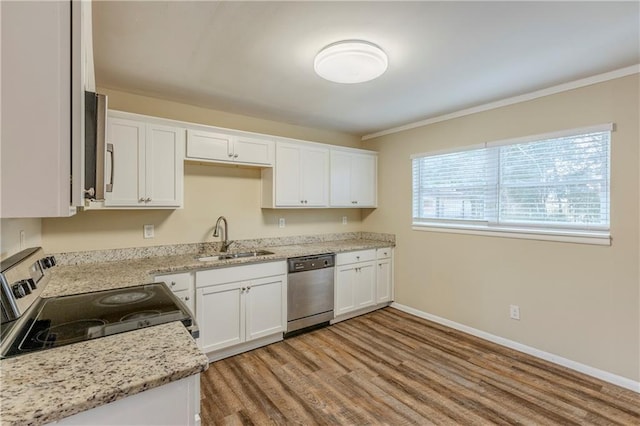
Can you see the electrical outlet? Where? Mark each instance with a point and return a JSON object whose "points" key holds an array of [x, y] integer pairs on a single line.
{"points": [[514, 312], [148, 231], [281, 222], [344, 220]]}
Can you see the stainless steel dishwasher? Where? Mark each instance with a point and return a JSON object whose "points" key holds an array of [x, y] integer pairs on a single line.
{"points": [[310, 291]]}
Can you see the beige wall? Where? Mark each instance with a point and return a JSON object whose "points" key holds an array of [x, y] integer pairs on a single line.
{"points": [[581, 302], [10, 235], [210, 191]]}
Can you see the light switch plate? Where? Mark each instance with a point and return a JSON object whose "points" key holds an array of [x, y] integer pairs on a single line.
{"points": [[281, 222]]}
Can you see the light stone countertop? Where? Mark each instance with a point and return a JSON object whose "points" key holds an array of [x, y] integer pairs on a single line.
{"points": [[46, 386], [84, 278]]}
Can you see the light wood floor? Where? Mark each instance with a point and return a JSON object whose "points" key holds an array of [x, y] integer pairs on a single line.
{"points": [[392, 368]]}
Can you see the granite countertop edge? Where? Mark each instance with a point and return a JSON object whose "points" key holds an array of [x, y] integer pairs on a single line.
{"points": [[86, 375]]}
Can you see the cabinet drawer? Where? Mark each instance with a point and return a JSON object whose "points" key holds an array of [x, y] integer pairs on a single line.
{"points": [[355, 256], [239, 273], [176, 282], [383, 253]]}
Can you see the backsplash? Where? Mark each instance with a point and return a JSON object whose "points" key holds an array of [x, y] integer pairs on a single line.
{"points": [[115, 255]]}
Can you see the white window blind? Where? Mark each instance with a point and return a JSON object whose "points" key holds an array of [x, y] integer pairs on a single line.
{"points": [[554, 182]]}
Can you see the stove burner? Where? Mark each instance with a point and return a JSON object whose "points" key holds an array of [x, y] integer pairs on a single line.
{"points": [[69, 332], [125, 298], [141, 314]]}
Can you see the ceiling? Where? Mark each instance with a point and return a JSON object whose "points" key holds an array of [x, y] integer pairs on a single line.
{"points": [[256, 58]]}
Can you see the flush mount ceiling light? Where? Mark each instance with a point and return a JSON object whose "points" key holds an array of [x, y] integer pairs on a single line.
{"points": [[350, 61]]}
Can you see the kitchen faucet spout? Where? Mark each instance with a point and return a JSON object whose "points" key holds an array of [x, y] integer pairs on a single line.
{"points": [[225, 243]]}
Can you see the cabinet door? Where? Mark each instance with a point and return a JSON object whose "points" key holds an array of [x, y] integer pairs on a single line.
{"points": [[341, 179], [220, 316], [128, 162], [384, 281], [187, 299], [164, 165], [36, 105], [345, 285], [252, 150], [265, 309], [363, 180], [365, 285], [314, 178], [288, 176], [209, 145]]}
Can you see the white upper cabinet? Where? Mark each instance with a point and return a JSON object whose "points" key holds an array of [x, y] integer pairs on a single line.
{"points": [[300, 177], [144, 164], [45, 67], [229, 148], [353, 179]]}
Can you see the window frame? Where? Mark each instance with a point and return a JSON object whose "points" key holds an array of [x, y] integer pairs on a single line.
{"points": [[583, 234]]}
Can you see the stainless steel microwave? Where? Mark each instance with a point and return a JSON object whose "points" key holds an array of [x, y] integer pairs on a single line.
{"points": [[95, 147]]}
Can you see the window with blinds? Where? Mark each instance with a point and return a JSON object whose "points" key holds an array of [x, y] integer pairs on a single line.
{"points": [[558, 181]]}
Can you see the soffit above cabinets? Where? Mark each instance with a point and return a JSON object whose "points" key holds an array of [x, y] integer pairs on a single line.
{"points": [[256, 58]]}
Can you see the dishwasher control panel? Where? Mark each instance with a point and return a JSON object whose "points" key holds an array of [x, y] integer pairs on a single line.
{"points": [[308, 263]]}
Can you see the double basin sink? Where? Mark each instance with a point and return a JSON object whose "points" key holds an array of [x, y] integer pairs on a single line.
{"points": [[226, 256]]}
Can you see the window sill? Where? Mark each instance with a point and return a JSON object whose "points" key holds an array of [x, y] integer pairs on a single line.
{"points": [[602, 238]]}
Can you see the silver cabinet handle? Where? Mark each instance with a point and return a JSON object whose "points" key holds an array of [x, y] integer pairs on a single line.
{"points": [[235, 155], [109, 186], [141, 200], [147, 200], [230, 155]]}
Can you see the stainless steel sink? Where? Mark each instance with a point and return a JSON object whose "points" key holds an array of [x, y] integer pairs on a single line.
{"points": [[226, 256]]}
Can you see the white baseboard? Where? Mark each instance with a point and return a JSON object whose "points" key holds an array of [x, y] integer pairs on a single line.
{"points": [[582, 368]]}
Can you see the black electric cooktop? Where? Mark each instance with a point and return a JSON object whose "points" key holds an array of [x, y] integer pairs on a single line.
{"points": [[63, 320]]}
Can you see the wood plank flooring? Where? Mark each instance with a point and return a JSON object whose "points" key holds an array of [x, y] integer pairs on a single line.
{"points": [[388, 367]]}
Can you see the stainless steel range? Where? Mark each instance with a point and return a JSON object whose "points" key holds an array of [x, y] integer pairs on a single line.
{"points": [[31, 323]]}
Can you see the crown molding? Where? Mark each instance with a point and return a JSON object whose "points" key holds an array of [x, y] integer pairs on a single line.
{"points": [[623, 72]]}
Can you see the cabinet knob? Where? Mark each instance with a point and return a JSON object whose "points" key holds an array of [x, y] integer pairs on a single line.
{"points": [[173, 283], [147, 200], [186, 298], [235, 155], [357, 257], [230, 155], [141, 200]]}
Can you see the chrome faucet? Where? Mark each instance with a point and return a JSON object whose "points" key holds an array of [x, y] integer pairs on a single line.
{"points": [[225, 242]]}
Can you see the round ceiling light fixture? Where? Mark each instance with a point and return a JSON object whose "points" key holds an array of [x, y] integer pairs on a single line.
{"points": [[350, 61]]}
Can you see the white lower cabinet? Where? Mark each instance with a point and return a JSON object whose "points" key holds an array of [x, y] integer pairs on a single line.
{"points": [[355, 281], [176, 403], [182, 285], [384, 275], [240, 305], [364, 279]]}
